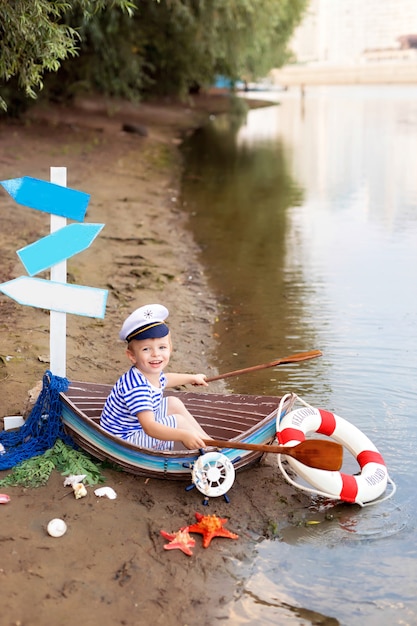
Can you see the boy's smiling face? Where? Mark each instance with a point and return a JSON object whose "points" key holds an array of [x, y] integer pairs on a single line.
{"points": [[150, 356]]}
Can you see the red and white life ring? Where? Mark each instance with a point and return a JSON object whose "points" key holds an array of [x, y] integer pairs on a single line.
{"points": [[365, 487]]}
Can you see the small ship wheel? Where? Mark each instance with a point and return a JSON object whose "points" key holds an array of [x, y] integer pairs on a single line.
{"points": [[213, 474]]}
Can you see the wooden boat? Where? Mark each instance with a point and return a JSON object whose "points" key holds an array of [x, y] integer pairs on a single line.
{"points": [[234, 417]]}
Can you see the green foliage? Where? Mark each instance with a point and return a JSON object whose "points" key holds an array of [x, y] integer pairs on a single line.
{"points": [[188, 42], [108, 62], [34, 39], [164, 47], [274, 23], [36, 471]]}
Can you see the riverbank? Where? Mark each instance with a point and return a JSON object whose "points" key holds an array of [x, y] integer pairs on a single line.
{"points": [[110, 567]]}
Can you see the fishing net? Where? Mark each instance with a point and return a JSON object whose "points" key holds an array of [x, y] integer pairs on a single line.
{"points": [[42, 427]]}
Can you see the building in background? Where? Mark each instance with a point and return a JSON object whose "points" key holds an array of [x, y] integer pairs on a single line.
{"points": [[354, 31], [359, 38]]}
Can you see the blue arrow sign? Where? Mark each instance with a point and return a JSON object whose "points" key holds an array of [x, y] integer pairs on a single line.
{"points": [[48, 197], [47, 294], [59, 246]]}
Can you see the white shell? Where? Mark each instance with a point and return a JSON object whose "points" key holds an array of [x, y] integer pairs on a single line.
{"points": [[73, 479], [79, 490], [56, 527], [106, 491]]}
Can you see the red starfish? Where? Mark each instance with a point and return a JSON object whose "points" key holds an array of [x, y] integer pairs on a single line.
{"points": [[210, 526], [180, 540]]}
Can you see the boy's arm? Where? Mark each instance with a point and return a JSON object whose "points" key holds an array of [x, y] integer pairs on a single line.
{"points": [[175, 380]]}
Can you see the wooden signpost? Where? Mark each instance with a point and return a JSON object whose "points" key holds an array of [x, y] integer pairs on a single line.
{"points": [[52, 252]]}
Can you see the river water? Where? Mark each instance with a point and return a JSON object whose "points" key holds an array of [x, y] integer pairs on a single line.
{"points": [[306, 214]]}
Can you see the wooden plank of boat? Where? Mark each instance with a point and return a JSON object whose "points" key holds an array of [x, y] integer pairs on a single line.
{"points": [[243, 418]]}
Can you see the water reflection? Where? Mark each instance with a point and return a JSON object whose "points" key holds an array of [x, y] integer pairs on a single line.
{"points": [[357, 144], [239, 200], [350, 592], [307, 226], [306, 216]]}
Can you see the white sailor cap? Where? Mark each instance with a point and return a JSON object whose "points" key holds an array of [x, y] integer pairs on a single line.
{"points": [[146, 322]]}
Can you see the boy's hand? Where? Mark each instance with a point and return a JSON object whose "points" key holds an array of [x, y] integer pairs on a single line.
{"points": [[199, 380], [193, 441]]}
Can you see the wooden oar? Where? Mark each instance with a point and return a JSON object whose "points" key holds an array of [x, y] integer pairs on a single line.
{"points": [[294, 358], [318, 453]]}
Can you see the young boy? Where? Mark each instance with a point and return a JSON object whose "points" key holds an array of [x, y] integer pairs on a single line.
{"points": [[136, 409]]}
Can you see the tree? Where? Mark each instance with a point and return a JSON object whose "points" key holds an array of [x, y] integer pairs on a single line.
{"points": [[34, 38], [164, 47], [190, 41]]}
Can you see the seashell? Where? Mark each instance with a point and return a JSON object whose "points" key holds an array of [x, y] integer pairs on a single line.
{"points": [[106, 491], [56, 527], [79, 490], [74, 478]]}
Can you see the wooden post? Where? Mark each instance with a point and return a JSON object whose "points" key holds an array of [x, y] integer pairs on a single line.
{"points": [[58, 320]]}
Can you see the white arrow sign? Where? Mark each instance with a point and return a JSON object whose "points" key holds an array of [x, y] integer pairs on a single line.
{"points": [[47, 294]]}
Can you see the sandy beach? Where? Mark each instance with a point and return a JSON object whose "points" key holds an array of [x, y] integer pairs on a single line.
{"points": [[110, 567]]}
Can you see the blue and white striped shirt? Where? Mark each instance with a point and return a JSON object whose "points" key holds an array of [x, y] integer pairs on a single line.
{"points": [[131, 394]]}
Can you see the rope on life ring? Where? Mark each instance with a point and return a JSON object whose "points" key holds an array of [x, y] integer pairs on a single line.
{"points": [[362, 489]]}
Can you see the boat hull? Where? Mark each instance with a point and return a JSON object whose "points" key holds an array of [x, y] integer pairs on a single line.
{"points": [[234, 417]]}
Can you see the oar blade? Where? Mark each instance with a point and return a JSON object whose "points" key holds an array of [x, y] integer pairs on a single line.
{"points": [[318, 453], [302, 356]]}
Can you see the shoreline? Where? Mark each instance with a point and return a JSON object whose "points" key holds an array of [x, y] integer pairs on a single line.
{"points": [[110, 567]]}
